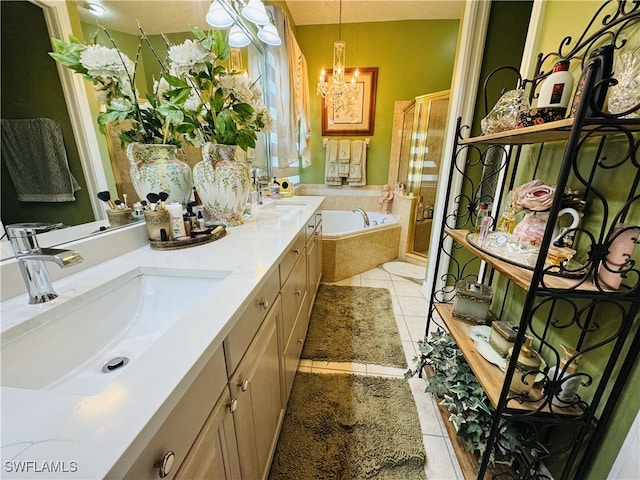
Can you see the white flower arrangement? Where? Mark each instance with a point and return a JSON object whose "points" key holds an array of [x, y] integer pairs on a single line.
{"points": [[219, 105]]}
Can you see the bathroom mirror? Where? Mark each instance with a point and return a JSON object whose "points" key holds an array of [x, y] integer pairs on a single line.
{"points": [[90, 164]]}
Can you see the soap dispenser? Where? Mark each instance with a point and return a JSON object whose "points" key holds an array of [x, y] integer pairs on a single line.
{"points": [[562, 388], [527, 368]]}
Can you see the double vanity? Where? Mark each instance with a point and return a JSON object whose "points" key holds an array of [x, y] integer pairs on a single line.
{"points": [[154, 364]]}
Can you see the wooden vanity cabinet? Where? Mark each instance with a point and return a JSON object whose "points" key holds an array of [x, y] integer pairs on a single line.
{"points": [[173, 440], [256, 394], [215, 453], [226, 426]]}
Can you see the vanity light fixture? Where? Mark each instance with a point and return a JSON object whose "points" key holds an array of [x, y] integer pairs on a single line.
{"points": [[217, 16], [340, 95], [224, 13]]}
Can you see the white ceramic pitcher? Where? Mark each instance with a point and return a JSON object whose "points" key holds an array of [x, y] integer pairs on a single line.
{"points": [[531, 228]]}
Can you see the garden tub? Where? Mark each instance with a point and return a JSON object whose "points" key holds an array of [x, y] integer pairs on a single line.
{"points": [[349, 247]]}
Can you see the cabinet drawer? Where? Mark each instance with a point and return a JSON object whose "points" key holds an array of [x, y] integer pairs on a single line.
{"points": [[312, 224], [293, 351], [293, 295], [248, 324], [294, 252], [180, 429]]}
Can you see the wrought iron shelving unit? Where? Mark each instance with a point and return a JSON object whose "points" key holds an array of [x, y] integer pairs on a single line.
{"points": [[565, 304]]}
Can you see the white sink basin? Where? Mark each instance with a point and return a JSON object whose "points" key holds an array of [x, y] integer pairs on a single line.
{"points": [[81, 345], [274, 209]]}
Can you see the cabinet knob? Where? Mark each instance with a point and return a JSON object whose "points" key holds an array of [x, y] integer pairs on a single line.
{"points": [[233, 406], [300, 340], [244, 385], [165, 464], [297, 293], [265, 304], [296, 251], [310, 226]]}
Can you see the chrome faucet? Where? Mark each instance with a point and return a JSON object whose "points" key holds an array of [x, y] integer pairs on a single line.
{"points": [[31, 260], [364, 215]]}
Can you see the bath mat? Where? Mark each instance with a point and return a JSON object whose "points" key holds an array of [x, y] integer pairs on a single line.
{"points": [[354, 324], [349, 427], [404, 269]]}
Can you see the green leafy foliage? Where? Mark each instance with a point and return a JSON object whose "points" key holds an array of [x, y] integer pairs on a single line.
{"points": [[470, 410]]}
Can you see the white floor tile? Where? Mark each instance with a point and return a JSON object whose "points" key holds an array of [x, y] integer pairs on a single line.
{"points": [[406, 288], [405, 334], [413, 306], [427, 412], [319, 367], [377, 283], [382, 371], [439, 465], [416, 326], [375, 274]]}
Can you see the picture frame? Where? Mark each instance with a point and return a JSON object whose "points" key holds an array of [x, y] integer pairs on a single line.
{"points": [[361, 121]]}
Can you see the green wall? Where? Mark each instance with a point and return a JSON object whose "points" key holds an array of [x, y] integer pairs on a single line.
{"points": [[31, 89], [413, 58]]}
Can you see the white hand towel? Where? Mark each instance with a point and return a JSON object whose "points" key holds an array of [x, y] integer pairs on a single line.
{"points": [[358, 168], [331, 165]]}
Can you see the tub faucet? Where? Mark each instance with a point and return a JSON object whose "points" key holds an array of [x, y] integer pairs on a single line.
{"points": [[364, 215], [31, 260]]}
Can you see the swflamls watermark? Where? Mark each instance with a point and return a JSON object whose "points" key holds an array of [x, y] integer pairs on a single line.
{"points": [[40, 466]]}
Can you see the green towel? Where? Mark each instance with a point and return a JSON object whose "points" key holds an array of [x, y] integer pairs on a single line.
{"points": [[33, 150]]}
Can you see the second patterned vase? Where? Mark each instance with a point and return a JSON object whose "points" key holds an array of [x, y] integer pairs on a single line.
{"points": [[223, 183]]}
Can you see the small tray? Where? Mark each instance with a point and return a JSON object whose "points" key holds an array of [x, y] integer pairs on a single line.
{"points": [[525, 256], [188, 242]]}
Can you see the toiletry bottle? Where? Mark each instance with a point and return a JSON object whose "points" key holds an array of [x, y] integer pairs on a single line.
{"points": [[563, 389], [275, 189], [507, 220], [527, 367], [483, 211], [200, 220], [556, 88], [190, 216], [176, 220]]}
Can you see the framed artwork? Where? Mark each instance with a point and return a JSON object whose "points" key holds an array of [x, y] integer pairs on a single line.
{"points": [[358, 120]]}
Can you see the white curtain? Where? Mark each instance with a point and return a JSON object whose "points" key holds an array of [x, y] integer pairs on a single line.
{"points": [[289, 96]]}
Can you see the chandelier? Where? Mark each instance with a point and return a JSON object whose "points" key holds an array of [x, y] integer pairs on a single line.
{"points": [[342, 96]]}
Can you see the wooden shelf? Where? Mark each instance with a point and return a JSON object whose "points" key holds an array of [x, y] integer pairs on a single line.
{"points": [[490, 377], [549, 132], [520, 275]]}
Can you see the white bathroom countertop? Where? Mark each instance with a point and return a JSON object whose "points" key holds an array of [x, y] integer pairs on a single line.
{"points": [[49, 434]]}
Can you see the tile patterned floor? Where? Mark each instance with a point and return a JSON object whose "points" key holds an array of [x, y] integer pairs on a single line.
{"points": [[409, 307]]}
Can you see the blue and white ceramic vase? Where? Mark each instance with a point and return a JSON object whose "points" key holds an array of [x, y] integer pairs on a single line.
{"points": [[223, 183], [157, 168]]}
